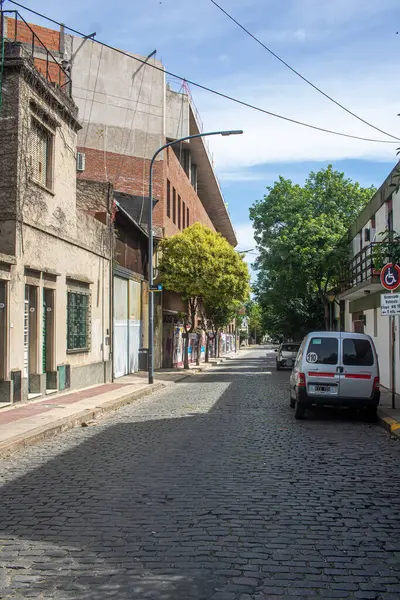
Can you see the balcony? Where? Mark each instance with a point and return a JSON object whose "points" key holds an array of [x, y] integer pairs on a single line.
{"points": [[360, 274]]}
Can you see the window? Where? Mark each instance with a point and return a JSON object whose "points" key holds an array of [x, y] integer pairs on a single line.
{"points": [[174, 205], [41, 154], [373, 222], [193, 176], [179, 211], [183, 215], [187, 218], [357, 353], [168, 199], [367, 235], [186, 162], [290, 347], [323, 351], [78, 321]]}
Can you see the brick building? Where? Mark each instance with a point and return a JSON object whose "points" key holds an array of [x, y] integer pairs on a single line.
{"points": [[127, 111]]}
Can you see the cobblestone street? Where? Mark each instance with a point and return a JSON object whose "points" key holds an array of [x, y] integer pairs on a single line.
{"points": [[208, 490]]}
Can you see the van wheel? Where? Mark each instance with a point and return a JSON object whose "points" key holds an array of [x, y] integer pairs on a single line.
{"points": [[292, 401], [300, 411], [371, 414], [278, 367]]}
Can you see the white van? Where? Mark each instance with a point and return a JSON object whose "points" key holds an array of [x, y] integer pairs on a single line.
{"points": [[335, 369]]}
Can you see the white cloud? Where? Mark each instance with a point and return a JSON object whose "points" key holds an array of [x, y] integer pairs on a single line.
{"points": [[268, 139]]}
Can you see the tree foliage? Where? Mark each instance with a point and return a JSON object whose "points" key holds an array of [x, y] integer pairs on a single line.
{"points": [[204, 269], [387, 250], [300, 233], [255, 320]]}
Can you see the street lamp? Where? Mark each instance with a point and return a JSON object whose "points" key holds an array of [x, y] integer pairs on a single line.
{"points": [[151, 282]]}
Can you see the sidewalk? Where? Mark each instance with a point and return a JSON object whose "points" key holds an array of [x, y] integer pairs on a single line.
{"points": [[22, 425], [389, 418]]}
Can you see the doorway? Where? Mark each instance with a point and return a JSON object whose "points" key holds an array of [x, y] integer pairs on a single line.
{"points": [[30, 334], [48, 338], [3, 330]]}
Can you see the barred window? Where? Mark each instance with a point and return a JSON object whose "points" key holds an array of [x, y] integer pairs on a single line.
{"points": [[41, 154], [78, 321]]}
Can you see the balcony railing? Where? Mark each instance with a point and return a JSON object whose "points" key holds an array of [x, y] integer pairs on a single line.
{"points": [[360, 268], [14, 29]]}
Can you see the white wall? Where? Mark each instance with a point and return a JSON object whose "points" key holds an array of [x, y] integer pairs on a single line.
{"points": [[121, 101]]}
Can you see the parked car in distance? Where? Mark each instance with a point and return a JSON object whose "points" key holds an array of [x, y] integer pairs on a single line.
{"points": [[335, 369], [286, 355]]}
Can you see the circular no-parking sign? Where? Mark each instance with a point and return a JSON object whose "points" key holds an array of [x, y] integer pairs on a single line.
{"points": [[390, 276]]}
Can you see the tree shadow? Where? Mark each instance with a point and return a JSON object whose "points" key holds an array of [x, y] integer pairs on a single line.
{"points": [[176, 507]]}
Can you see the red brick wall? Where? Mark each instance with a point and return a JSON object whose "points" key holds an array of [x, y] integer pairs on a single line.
{"points": [[128, 174], [179, 180], [49, 38]]}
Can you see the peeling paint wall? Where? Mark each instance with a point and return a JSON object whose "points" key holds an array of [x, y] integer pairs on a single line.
{"points": [[51, 234]]}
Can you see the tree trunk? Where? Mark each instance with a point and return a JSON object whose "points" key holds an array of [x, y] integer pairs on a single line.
{"points": [[218, 345], [207, 357], [186, 351], [327, 308], [198, 349]]}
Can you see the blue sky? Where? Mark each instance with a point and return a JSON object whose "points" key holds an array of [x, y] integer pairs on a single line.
{"points": [[348, 47]]}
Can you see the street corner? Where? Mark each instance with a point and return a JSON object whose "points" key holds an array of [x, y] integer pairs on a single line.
{"points": [[392, 425]]}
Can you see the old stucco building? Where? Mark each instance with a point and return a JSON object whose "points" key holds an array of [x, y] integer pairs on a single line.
{"points": [[55, 242]]}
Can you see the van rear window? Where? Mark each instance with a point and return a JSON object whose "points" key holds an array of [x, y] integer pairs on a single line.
{"points": [[357, 353], [322, 351]]}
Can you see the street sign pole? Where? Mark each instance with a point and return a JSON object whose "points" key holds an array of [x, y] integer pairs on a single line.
{"points": [[390, 279], [393, 327]]}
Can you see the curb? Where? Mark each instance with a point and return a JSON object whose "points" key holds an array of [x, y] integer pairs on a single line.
{"points": [[391, 425], [39, 434]]}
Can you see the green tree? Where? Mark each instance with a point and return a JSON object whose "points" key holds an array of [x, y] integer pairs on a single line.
{"points": [[300, 233], [202, 267], [256, 324], [215, 315]]}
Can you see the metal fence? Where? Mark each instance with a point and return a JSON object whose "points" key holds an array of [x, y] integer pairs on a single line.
{"points": [[14, 29]]}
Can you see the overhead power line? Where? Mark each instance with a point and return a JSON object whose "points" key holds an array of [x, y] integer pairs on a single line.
{"points": [[208, 89], [299, 74]]}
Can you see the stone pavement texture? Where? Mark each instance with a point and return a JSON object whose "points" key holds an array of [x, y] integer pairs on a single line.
{"points": [[26, 424], [206, 490]]}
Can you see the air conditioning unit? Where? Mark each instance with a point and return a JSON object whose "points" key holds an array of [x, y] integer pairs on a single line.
{"points": [[80, 161]]}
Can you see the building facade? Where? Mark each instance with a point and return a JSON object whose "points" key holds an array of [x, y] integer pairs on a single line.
{"points": [[360, 294], [55, 253], [126, 112]]}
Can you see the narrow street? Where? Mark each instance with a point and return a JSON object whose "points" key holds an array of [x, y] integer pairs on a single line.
{"points": [[208, 490]]}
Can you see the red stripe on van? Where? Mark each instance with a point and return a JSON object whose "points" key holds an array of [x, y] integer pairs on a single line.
{"points": [[320, 374], [356, 376]]}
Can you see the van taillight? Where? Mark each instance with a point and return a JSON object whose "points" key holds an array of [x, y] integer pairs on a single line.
{"points": [[376, 383], [301, 380]]}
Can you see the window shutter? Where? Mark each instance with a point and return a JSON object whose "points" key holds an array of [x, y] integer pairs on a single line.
{"points": [[39, 142]]}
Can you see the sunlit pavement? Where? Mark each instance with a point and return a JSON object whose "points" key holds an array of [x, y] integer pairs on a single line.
{"points": [[207, 490]]}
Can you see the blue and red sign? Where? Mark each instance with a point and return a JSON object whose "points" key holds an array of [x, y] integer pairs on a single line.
{"points": [[390, 276]]}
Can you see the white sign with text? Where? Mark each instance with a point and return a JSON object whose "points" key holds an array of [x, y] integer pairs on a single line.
{"points": [[390, 305]]}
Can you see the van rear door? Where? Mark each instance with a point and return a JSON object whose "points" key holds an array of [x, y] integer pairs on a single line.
{"points": [[321, 366], [358, 367]]}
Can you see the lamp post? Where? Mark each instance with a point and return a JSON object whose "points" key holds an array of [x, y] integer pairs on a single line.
{"points": [[151, 282]]}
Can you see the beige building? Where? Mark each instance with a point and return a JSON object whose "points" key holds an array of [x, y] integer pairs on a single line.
{"points": [[55, 242]]}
